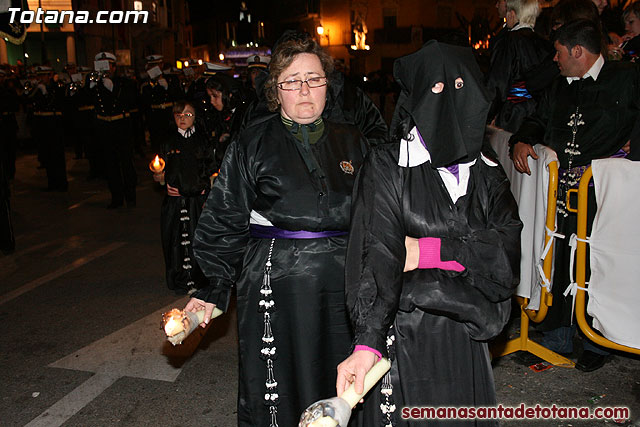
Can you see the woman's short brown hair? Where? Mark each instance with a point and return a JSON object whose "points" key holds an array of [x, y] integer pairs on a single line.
{"points": [[283, 56]]}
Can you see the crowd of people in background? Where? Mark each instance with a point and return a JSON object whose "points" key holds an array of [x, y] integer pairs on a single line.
{"points": [[259, 173]]}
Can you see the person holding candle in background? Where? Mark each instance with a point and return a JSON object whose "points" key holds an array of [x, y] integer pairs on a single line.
{"points": [[189, 164]]}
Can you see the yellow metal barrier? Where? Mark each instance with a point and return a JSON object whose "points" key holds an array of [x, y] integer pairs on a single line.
{"points": [[523, 342], [546, 299], [581, 258]]}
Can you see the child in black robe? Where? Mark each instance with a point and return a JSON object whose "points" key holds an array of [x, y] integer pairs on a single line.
{"points": [[190, 164]]}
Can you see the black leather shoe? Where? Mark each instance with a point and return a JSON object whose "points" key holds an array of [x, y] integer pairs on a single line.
{"points": [[590, 361]]}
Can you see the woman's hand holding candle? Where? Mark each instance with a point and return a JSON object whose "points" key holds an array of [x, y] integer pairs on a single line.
{"points": [[195, 304], [178, 324]]}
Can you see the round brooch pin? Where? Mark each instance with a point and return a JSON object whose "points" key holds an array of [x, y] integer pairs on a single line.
{"points": [[347, 167]]}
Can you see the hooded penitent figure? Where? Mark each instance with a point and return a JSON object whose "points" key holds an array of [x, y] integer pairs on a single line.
{"points": [[433, 183]]}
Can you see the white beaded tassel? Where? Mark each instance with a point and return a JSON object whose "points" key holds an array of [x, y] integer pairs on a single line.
{"points": [[570, 178], [186, 243], [388, 407], [268, 351]]}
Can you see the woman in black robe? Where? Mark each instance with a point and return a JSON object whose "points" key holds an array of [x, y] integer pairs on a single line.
{"points": [[433, 321], [512, 62], [274, 226], [189, 158]]}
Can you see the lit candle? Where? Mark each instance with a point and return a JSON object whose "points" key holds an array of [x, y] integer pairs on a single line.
{"points": [[178, 324], [157, 165]]}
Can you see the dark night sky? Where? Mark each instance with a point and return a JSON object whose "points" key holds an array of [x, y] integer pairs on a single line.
{"points": [[264, 10], [206, 14]]}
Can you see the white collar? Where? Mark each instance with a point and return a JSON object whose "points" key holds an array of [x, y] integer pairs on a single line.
{"points": [[593, 72], [414, 153], [519, 26], [188, 132]]}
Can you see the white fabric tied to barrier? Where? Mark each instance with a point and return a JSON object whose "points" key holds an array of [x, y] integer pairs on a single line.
{"points": [[614, 290], [545, 281], [573, 286], [531, 194]]}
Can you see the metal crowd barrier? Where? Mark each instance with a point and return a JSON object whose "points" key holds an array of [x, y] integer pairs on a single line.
{"points": [[581, 257], [522, 342]]}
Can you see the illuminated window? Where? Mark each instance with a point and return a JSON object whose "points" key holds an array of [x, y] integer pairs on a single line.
{"points": [[137, 5]]}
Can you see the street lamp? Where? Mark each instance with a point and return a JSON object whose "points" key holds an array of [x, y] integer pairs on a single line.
{"points": [[322, 32]]}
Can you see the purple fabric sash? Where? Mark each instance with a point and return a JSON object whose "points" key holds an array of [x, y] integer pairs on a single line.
{"points": [[266, 232]]}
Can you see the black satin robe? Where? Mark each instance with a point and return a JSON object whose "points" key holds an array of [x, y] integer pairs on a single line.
{"points": [[263, 171], [514, 57], [441, 319], [189, 164]]}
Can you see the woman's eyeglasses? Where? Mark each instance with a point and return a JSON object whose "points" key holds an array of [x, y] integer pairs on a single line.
{"points": [[297, 84], [181, 115]]}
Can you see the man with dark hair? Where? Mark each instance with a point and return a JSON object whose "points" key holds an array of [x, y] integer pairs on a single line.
{"points": [[591, 111], [580, 33]]}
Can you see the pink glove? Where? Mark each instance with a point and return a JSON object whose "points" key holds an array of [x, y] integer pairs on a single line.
{"points": [[430, 256]]}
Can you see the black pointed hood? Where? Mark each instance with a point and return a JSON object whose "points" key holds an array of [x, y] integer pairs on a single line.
{"points": [[451, 122]]}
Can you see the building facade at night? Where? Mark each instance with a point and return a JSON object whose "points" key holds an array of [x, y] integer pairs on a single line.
{"points": [[166, 32]]}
